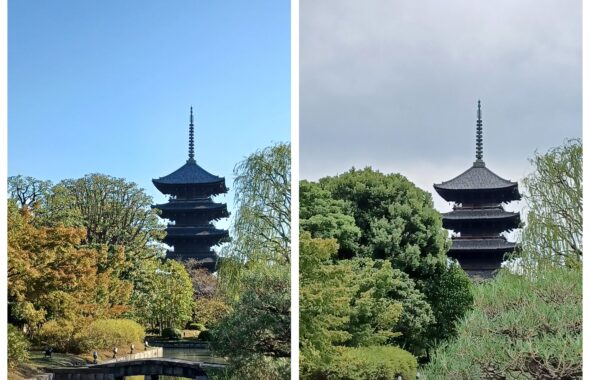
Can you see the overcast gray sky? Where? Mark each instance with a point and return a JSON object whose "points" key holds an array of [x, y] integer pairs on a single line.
{"points": [[394, 85]]}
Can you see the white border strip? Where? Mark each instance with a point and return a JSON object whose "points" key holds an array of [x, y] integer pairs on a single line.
{"points": [[294, 189]]}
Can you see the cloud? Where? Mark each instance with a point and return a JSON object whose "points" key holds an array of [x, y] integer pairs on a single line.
{"points": [[394, 84]]}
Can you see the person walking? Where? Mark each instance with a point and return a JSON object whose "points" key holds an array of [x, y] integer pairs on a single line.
{"points": [[115, 350]]}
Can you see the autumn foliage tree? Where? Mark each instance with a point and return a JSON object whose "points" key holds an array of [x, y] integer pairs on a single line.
{"points": [[50, 276]]}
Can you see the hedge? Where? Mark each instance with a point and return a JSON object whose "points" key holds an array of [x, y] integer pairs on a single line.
{"points": [[376, 362]]}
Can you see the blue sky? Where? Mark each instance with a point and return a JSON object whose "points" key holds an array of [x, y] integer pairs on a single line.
{"points": [[106, 86]]}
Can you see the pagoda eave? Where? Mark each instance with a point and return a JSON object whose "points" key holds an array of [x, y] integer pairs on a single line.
{"points": [[491, 195]]}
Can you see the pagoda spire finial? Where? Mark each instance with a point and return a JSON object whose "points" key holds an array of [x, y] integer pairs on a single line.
{"points": [[191, 139], [479, 135]]}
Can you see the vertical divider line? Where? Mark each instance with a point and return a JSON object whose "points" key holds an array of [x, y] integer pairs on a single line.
{"points": [[294, 189]]}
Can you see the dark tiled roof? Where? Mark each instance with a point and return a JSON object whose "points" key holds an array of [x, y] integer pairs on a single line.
{"points": [[477, 177], [194, 231], [190, 205], [482, 244], [481, 213], [189, 173]]}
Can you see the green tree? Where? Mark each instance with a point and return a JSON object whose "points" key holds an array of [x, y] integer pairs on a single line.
{"points": [[386, 217], [325, 217], [115, 213], [553, 193], [260, 321], [254, 272], [18, 347], [163, 294], [261, 229], [27, 191], [359, 303], [397, 220]]}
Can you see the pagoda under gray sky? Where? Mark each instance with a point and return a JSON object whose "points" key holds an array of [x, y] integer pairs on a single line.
{"points": [[478, 217]]}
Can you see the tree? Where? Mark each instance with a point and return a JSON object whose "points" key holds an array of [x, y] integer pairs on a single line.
{"points": [[114, 212], [51, 276], [209, 304], [254, 273], [261, 228], [260, 321], [553, 193], [325, 217], [353, 303], [397, 220], [27, 190], [386, 217], [163, 294]]}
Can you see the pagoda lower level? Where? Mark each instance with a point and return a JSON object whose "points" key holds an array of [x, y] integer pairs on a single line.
{"points": [[191, 210], [478, 218]]}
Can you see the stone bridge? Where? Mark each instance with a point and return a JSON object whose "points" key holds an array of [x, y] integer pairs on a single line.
{"points": [[150, 368]]}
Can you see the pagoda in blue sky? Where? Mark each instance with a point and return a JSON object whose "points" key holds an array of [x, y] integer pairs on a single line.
{"points": [[191, 210], [478, 217]]}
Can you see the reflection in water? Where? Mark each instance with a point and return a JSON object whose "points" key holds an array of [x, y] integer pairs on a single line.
{"points": [[192, 354]]}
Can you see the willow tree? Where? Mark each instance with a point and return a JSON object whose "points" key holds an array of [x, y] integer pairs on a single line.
{"points": [[553, 193], [261, 228]]}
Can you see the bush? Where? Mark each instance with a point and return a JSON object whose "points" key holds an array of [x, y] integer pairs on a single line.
{"points": [[108, 333], [65, 336], [519, 329], [171, 333], [376, 362], [205, 335], [18, 347], [59, 334]]}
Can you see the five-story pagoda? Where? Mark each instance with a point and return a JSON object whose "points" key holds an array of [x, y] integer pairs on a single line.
{"points": [[478, 217], [191, 209]]}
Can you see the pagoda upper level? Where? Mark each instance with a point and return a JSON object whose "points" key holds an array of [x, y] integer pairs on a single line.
{"points": [[191, 209], [478, 217]]}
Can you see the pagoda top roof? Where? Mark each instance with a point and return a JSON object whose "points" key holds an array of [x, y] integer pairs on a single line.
{"points": [[189, 174], [477, 177]]}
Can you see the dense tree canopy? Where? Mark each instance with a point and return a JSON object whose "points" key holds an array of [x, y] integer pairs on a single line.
{"points": [[353, 303], [51, 276], [387, 219], [396, 219], [254, 274], [163, 294]]}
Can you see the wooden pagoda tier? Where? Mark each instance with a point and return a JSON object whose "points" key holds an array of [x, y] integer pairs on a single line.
{"points": [[192, 210], [478, 217]]}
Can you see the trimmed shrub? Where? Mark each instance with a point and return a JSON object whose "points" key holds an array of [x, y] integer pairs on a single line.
{"points": [[18, 346], [58, 334], [519, 329], [205, 335], [376, 362], [64, 336], [108, 333], [171, 333]]}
